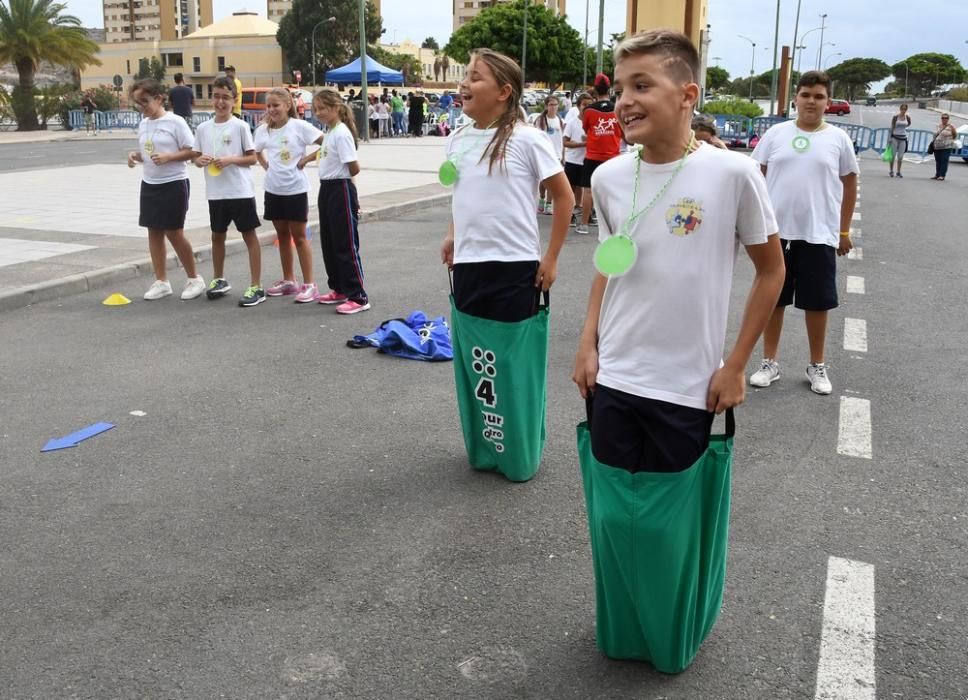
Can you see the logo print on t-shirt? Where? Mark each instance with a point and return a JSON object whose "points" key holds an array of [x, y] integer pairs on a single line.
{"points": [[684, 217], [605, 127]]}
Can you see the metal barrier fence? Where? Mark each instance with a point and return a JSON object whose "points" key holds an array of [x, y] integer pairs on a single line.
{"points": [[129, 119]]}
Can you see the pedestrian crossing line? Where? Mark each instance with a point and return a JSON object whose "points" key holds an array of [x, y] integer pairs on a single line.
{"points": [[855, 285], [855, 335], [848, 636], [856, 216], [854, 431], [855, 253]]}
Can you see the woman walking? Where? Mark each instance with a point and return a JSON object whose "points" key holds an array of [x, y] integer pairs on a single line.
{"points": [[944, 143], [899, 126]]}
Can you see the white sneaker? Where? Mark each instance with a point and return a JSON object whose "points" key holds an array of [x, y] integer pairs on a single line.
{"points": [[819, 381], [158, 289], [768, 373], [194, 287], [581, 230]]}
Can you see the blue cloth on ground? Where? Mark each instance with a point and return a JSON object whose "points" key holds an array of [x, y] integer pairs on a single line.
{"points": [[416, 337]]}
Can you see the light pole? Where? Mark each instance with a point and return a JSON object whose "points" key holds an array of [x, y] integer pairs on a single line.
{"points": [[524, 46], [776, 45], [839, 53], [820, 51], [793, 57], [601, 36], [363, 68], [823, 25], [752, 62], [584, 52], [318, 25]]}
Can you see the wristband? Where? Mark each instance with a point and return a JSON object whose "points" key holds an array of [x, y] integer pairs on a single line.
{"points": [[845, 233]]}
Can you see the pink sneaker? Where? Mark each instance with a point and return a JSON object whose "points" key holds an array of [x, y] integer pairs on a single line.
{"points": [[352, 307], [282, 288], [331, 298], [306, 294]]}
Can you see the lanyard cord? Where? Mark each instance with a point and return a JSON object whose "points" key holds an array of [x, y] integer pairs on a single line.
{"points": [[627, 226]]}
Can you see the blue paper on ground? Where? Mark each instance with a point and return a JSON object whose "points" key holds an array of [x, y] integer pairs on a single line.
{"points": [[78, 436], [416, 337]]}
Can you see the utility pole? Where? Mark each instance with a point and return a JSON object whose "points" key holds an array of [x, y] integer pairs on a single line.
{"points": [[524, 45], [752, 63], [823, 25], [776, 45], [601, 36], [363, 68], [584, 52], [796, 49]]}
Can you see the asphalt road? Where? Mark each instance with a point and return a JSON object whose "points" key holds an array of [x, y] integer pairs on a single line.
{"points": [[295, 519]]}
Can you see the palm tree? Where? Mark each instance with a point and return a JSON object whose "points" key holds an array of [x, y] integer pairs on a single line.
{"points": [[32, 31], [444, 66]]}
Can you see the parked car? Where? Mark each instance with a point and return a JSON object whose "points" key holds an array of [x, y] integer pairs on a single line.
{"points": [[838, 107], [871, 101], [254, 99]]}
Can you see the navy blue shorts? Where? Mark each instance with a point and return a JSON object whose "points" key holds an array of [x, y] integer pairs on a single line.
{"points": [[164, 206], [646, 435], [811, 276], [499, 291], [242, 212], [286, 207], [573, 171]]}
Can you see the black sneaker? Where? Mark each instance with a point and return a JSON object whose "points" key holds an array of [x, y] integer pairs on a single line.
{"points": [[218, 287], [253, 296]]}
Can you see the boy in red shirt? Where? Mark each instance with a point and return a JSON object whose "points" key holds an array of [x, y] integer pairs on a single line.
{"points": [[603, 142]]}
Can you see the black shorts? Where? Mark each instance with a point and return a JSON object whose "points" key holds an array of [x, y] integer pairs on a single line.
{"points": [[587, 168], [222, 212], [286, 207], [811, 276], [573, 171], [499, 291], [164, 206], [646, 435]]}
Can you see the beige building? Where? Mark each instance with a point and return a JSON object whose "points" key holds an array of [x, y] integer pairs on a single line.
{"points": [[244, 40], [275, 9], [455, 71], [154, 20], [466, 10], [688, 16]]}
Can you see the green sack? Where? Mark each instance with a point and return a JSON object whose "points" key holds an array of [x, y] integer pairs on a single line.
{"points": [[501, 374], [888, 155], [659, 553]]}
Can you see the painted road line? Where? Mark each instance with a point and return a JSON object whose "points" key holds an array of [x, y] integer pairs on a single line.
{"points": [[856, 216], [855, 285], [854, 433], [847, 642], [855, 334], [855, 254]]}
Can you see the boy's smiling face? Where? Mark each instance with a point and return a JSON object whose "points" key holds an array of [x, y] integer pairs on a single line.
{"points": [[652, 104]]}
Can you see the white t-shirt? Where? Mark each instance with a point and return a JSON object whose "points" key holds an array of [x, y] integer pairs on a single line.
{"points": [[283, 149], [228, 138], [805, 187], [663, 324], [166, 134], [554, 131], [337, 150], [494, 215], [575, 132]]}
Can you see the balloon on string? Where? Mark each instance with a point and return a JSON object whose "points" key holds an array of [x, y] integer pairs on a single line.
{"points": [[615, 256]]}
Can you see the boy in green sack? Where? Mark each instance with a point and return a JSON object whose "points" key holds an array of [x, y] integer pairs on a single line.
{"points": [[651, 350]]}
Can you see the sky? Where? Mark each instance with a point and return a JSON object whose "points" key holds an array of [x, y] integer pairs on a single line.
{"points": [[854, 28]]}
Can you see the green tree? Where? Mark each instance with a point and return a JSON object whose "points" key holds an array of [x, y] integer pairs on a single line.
{"points": [[430, 43], [32, 31], [554, 46], [337, 42], [857, 74], [926, 71], [150, 68], [741, 107], [716, 78], [405, 63]]}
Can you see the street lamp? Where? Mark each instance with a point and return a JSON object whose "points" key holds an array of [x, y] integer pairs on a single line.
{"points": [[820, 51], [839, 53], [752, 62], [584, 52], [363, 68], [823, 25], [318, 24], [775, 78]]}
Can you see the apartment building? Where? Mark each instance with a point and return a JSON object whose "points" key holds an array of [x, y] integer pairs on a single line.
{"points": [[466, 10], [154, 20], [275, 9], [688, 16]]}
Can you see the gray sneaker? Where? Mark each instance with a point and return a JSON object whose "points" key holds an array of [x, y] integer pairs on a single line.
{"points": [[768, 373], [581, 230], [817, 376]]}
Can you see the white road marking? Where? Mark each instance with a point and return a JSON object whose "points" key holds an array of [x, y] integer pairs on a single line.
{"points": [[855, 253], [856, 216], [855, 285], [855, 334], [847, 642], [854, 433]]}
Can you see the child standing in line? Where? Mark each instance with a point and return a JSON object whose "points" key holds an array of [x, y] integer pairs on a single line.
{"points": [[338, 205], [574, 143], [603, 141], [223, 146], [280, 144], [165, 143], [551, 124], [496, 164]]}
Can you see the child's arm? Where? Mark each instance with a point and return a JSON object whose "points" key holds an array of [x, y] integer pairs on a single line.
{"points": [[200, 159], [447, 247], [563, 202], [306, 159], [134, 157], [727, 388], [586, 362], [262, 160], [354, 167], [244, 160], [179, 155], [847, 212]]}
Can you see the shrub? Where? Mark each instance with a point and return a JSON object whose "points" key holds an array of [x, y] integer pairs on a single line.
{"points": [[739, 107], [958, 94]]}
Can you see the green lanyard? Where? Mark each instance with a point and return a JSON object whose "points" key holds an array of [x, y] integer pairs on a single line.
{"points": [[447, 173], [616, 255]]}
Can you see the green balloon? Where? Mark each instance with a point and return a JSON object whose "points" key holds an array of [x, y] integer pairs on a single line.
{"points": [[615, 256], [447, 174]]}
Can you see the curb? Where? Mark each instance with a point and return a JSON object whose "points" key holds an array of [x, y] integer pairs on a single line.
{"points": [[102, 277]]}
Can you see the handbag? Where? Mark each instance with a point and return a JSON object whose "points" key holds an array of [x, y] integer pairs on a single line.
{"points": [[659, 545], [931, 148]]}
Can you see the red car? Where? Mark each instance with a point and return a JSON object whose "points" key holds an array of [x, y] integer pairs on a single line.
{"points": [[838, 107]]}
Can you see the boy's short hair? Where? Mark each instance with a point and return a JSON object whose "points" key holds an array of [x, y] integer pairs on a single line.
{"points": [[681, 58], [179, 77], [814, 77], [225, 84], [703, 122]]}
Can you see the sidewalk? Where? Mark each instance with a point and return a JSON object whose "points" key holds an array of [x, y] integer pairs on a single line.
{"points": [[86, 234]]}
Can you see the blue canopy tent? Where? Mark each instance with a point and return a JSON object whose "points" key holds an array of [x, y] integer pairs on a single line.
{"points": [[375, 73]]}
